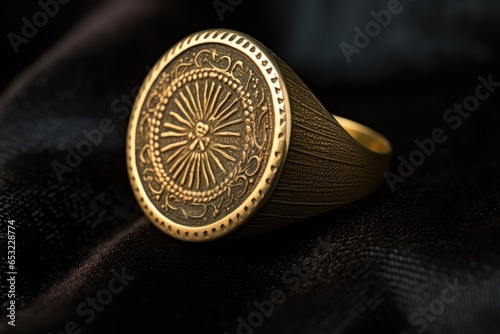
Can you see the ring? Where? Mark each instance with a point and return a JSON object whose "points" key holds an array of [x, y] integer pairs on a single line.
{"points": [[224, 138]]}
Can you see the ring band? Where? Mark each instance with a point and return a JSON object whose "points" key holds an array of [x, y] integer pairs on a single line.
{"points": [[224, 138]]}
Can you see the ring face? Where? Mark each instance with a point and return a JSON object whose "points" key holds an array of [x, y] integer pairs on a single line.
{"points": [[208, 135]]}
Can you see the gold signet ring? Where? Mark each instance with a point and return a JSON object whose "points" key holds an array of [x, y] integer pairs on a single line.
{"points": [[225, 139]]}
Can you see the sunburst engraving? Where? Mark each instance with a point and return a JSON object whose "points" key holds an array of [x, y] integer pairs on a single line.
{"points": [[203, 134], [199, 126]]}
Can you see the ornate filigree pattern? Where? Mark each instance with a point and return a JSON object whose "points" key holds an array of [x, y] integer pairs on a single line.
{"points": [[203, 134]]}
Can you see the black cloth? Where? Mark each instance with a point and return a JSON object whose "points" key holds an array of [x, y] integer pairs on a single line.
{"points": [[422, 258]]}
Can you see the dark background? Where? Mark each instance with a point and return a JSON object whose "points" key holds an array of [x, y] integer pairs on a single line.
{"points": [[371, 266]]}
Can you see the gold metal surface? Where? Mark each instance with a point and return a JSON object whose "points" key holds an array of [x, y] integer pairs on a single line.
{"points": [[224, 137]]}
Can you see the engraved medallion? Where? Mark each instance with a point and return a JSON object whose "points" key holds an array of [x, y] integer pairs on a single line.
{"points": [[207, 136], [225, 137]]}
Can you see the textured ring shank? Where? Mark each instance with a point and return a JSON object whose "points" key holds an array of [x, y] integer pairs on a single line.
{"points": [[330, 162], [225, 138]]}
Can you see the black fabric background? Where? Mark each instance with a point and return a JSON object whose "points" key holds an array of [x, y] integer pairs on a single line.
{"points": [[363, 268]]}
